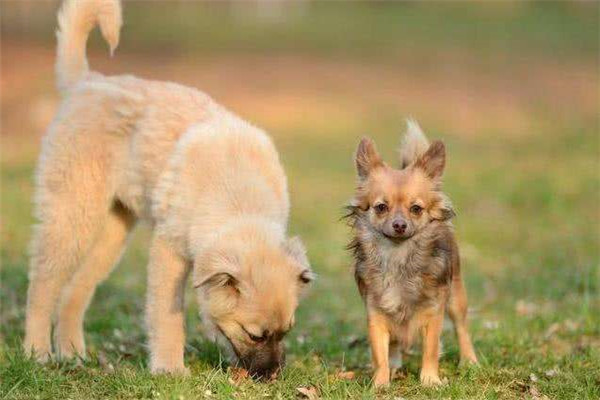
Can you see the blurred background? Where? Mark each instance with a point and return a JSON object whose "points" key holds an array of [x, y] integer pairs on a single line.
{"points": [[511, 87]]}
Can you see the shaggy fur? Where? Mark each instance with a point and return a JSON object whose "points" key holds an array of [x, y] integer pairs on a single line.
{"points": [[209, 184], [407, 265]]}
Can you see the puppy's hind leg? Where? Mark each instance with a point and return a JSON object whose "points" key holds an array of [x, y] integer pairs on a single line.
{"points": [[98, 264], [72, 202]]}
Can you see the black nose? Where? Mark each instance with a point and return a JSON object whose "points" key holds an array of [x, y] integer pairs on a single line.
{"points": [[399, 226]]}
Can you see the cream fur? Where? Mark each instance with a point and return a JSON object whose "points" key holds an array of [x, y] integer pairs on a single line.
{"points": [[122, 149]]}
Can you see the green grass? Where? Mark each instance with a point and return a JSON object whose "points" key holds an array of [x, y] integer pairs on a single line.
{"points": [[528, 212]]}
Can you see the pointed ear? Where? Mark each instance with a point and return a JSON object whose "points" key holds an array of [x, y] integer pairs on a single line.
{"points": [[444, 210], [432, 162], [296, 250], [367, 158]]}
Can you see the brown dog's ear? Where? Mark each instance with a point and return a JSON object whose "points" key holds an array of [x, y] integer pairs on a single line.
{"points": [[295, 249], [432, 162], [367, 158], [443, 210]]}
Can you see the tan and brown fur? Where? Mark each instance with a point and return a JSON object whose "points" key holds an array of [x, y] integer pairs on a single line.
{"points": [[407, 262]]}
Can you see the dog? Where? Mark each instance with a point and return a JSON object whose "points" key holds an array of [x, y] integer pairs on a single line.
{"points": [[407, 265], [210, 186]]}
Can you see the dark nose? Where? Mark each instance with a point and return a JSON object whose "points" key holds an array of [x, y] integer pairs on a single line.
{"points": [[399, 226], [265, 366]]}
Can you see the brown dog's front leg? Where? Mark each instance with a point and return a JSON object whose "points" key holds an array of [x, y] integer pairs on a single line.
{"points": [[379, 336], [431, 349]]}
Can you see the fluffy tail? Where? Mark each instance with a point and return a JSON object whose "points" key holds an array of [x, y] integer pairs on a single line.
{"points": [[414, 143], [76, 19]]}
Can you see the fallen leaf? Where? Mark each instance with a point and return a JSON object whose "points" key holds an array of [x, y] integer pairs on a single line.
{"points": [[535, 393], [237, 375], [571, 325], [345, 375], [552, 329], [309, 393], [525, 308]]}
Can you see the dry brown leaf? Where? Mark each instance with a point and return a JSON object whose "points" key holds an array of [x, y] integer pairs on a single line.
{"points": [[345, 375], [310, 392], [535, 393], [238, 375], [525, 308], [552, 329]]}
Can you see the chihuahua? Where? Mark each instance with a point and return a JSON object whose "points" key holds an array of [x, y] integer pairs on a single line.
{"points": [[407, 265]]}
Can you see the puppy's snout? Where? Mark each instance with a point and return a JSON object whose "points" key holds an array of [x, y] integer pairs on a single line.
{"points": [[399, 226], [265, 364]]}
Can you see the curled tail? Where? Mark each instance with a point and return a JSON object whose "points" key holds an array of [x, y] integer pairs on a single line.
{"points": [[76, 19], [414, 143]]}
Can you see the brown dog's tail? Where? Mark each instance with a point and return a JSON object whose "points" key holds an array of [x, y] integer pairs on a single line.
{"points": [[414, 143], [76, 19]]}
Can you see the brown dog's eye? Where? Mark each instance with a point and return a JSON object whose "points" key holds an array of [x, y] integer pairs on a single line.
{"points": [[381, 208], [416, 209]]}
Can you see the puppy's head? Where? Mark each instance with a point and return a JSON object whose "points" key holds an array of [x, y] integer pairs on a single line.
{"points": [[248, 288], [398, 203]]}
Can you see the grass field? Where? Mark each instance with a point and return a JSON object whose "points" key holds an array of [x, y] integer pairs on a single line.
{"points": [[513, 90]]}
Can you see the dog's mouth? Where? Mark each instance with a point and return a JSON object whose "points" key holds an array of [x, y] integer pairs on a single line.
{"points": [[260, 372], [396, 239]]}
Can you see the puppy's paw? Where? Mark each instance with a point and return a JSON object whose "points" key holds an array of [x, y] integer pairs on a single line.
{"points": [[175, 371], [69, 352], [41, 354], [430, 379]]}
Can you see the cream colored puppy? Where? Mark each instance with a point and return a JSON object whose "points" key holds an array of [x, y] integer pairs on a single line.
{"points": [[210, 185]]}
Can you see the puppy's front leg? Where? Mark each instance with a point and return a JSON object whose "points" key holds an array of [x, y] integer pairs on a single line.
{"points": [[167, 274], [432, 331], [379, 336]]}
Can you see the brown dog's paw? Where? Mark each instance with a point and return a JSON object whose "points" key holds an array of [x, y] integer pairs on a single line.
{"points": [[470, 360], [381, 378]]}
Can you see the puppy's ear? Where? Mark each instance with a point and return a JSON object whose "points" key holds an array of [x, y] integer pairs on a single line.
{"points": [[432, 162], [443, 210], [367, 158], [296, 250], [218, 279], [219, 272]]}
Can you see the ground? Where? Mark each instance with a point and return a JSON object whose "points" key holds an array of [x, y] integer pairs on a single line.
{"points": [[512, 90]]}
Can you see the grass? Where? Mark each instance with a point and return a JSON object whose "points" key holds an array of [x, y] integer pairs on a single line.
{"points": [[522, 171]]}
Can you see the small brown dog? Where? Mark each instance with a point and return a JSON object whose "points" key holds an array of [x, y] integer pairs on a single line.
{"points": [[407, 263]]}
